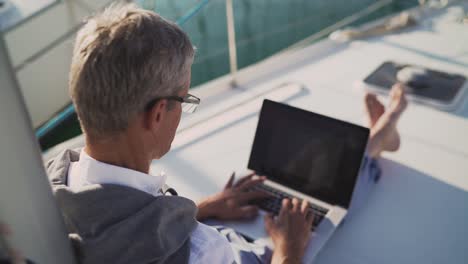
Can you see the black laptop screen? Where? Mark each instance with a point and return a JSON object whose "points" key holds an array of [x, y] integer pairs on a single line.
{"points": [[314, 154]]}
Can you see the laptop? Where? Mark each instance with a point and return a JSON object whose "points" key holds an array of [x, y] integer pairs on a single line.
{"points": [[307, 156]]}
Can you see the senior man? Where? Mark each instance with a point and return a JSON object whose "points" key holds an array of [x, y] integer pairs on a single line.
{"points": [[129, 82]]}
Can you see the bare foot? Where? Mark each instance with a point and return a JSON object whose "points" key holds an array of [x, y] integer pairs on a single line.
{"points": [[374, 108], [384, 135]]}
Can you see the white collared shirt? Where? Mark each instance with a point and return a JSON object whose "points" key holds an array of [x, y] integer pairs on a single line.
{"points": [[206, 244]]}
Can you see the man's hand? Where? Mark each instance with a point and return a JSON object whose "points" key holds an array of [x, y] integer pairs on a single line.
{"points": [[233, 202], [290, 231]]}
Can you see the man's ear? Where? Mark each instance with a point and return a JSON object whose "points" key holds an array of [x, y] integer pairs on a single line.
{"points": [[155, 115]]}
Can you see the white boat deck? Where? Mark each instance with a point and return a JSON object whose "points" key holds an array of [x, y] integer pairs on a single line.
{"points": [[418, 211]]}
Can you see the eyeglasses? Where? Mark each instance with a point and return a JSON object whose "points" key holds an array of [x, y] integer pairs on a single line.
{"points": [[189, 102]]}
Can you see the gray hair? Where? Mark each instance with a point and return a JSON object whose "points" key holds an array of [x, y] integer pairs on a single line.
{"points": [[123, 58]]}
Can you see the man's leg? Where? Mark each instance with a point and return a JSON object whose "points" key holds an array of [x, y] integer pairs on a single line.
{"points": [[245, 249], [383, 122], [383, 137], [368, 176]]}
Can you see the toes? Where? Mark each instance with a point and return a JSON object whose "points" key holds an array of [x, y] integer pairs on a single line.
{"points": [[397, 92], [374, 108], [373, 103], [398, 98], [370, 99]]}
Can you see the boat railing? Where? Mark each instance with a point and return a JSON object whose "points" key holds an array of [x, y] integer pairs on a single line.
{"points": [[232, 45]]}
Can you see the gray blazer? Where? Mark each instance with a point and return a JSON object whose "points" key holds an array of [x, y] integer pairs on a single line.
{"points": [[116, 224]]}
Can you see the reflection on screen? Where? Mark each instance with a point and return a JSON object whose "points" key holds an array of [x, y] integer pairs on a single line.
{"points": [[313, 154], [311, 160]]}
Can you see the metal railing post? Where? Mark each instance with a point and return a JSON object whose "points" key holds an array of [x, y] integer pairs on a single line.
{"points": [[231, 42]]}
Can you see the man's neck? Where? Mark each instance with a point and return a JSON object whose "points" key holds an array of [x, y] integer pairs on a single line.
{"points": [[119, 151]]}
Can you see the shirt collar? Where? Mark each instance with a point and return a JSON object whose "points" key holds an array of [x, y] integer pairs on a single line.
{"points": [[96, 172]]}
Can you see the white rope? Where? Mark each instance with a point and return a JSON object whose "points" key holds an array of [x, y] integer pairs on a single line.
{"points": [[342, 23]]}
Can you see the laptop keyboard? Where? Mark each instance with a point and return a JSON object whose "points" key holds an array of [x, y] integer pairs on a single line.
{"points": [[273, 205]]}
